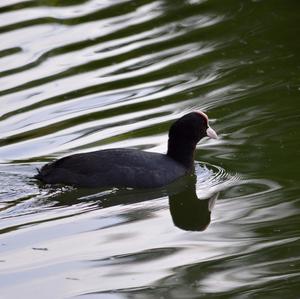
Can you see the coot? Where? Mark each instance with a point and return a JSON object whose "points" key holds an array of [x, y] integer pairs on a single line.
{"points": [[132, 167]]}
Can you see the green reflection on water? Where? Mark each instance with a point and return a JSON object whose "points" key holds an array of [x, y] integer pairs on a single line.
{"points": [[239, 60]]}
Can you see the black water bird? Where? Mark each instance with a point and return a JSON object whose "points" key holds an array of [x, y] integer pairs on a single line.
{"points": [[131, 167]]}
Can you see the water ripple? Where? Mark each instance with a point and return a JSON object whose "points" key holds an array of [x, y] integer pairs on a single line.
{"points": [[84, 75]]}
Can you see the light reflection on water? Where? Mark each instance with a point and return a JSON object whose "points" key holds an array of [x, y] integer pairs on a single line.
{"points": [[120, 241], [98, 74]]}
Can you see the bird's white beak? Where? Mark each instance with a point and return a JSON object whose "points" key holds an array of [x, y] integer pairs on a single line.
{"points": [[211, 133]]}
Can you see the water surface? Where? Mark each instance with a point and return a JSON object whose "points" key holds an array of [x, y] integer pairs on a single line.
{"points": [[78, 76]]}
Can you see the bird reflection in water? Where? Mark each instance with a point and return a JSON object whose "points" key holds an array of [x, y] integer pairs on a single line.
{"points": [[188, 212]]}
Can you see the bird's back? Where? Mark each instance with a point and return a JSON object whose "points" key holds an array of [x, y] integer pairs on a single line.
{"points": [[113, 168]]}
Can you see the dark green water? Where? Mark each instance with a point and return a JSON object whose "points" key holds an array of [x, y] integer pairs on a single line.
{"points": [[82, 75]]}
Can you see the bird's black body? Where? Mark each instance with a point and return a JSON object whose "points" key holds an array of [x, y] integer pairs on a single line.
{"points": [[131, 167], [113, 167]]}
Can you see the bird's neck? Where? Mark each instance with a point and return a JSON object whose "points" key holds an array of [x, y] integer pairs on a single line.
{"points": [[182, 152]]}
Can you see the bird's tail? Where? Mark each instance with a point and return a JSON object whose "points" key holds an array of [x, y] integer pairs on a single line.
{"points": [[38, 176]]}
